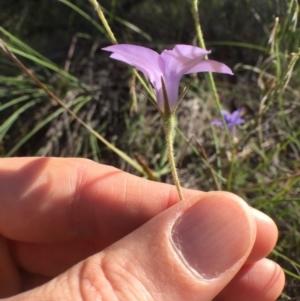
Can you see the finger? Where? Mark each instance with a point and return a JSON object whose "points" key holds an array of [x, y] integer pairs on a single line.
{"points": [[260, 281], [10, 282], [53, 199], [190, 251], [53, 259], [266, 236]]}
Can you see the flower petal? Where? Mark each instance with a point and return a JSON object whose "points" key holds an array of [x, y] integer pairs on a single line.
{"points": [[209, 66], [235, 117], [239, 121], [218, 123], [172, 87], [236, 114], [144, 59], [227, 116], [182, 58], [176, 62]]}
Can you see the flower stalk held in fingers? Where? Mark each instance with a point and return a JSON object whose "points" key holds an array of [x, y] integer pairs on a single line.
{"points": [[165, 71]]}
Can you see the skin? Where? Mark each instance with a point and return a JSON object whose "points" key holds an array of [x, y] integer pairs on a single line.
{"points": [[73, 229]]}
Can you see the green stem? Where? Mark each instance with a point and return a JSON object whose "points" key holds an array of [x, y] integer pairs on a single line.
{"points": [[169, 124], [211, 81], [210, 77], [212, 85]]}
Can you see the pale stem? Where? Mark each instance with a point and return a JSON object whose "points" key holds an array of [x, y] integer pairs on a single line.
{"points": [[104, 21], [211, 82], [202, 45], [169, 124]]}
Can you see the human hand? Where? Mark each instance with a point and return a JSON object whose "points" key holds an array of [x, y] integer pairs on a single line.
{"points": [[76, 230]]}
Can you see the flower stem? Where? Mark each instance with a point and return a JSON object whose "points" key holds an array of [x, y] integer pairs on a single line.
{"points": [[169, 124]]}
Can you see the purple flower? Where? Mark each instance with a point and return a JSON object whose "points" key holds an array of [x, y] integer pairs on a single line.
{"points": [[165, 70], [231, 120]]}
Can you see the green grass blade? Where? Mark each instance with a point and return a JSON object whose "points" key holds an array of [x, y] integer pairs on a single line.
{"points": [[37, 128], [22, 45], [12, 118], [14, 101], [46, 64]]}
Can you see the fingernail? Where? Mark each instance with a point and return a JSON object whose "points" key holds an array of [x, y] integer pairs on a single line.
{"points": [[213, 235]]}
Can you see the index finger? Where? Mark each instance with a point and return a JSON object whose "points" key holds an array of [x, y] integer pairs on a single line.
{"points": [[59, 199]]}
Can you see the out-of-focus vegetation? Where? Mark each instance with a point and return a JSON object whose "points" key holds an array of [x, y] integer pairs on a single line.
{"points": [[60, 42]]}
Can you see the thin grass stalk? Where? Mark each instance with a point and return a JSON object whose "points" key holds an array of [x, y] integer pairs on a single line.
{"points": [[114, 40], [212, 85], [104, 21]]}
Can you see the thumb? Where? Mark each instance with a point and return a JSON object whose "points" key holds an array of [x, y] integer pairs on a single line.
{"points": [[188, 252]]}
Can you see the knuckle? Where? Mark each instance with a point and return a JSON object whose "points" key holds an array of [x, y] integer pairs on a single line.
{"points": [[108, 279]]}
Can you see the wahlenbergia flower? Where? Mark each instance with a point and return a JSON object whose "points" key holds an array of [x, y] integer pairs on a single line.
{"points": [[165, 70], [231, 120]]}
